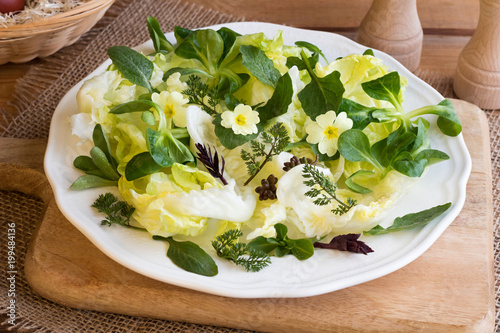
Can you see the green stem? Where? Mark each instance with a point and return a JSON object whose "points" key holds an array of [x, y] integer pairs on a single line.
{"points": [[306, 61], [430, 109], [373, 161], [268, 157], [162, 123], [309, 69], [334, 197], [179, 133], [134, 227], [405, 121], [296, 145]]}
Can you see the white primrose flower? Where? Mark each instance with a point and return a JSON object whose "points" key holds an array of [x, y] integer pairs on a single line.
{"points": [[243, 120], [157, 76], [173, 105], [175, 84], [325, 131]]}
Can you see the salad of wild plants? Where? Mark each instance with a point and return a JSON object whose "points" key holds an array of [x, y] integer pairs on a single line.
{"points": [[278, 149]]}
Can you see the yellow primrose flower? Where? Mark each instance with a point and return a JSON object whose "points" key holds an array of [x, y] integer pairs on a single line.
{"points": [[173, 105], [243, 120], [325, 131]]}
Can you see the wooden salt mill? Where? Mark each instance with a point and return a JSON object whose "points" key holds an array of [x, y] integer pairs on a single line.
{"points": [[477, 77], [393, 26]]}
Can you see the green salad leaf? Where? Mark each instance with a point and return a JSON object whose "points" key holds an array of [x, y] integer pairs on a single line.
{"points": [[282, 245], [134, 66], [279, 101], [160, 42], [181, 33], [311, 47], [141, 165], [388, 88], [361, 115], [322, 94], [206, 46], [190, 257], [259, 65], [412, 220], [100, 167]]}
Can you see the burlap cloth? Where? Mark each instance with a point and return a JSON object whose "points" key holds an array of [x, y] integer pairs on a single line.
{"points": [[124, 24]]}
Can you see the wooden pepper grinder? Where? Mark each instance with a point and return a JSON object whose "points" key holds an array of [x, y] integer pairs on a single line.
{"points": [[393, 26], [477, 78]]}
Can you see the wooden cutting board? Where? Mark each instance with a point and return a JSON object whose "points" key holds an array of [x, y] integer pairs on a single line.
{"points": [[450, 288]]}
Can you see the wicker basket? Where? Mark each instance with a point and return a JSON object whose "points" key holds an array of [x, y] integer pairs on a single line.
{"points": [[24, 42]]}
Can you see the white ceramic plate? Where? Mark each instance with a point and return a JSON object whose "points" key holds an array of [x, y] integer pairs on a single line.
{"points": [[326, 271]]}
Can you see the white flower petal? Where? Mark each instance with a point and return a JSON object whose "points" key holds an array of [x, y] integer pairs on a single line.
{"points": [[227, 119], [326, 119], [252, 117], [328, 147], [242, 109], [175, 84], [156, 97], [315, 133], [343, 123], [180, 117]]}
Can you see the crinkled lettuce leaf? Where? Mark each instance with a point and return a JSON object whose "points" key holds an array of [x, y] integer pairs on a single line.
{"points": [[318, 221], [355, 69], [181, 202]]}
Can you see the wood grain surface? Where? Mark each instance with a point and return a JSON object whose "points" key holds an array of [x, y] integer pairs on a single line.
{"points": [[450, 288], [456, 17], [393, 26], [477, 77], [447, 27]]}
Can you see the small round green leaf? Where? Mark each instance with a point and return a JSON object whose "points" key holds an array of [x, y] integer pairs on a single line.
{"points": [[262, 244], [190, 257], [141, 165], [303, 249], [90, 181], [354, 146], [149, 118], [84, 163], [101, 161]]}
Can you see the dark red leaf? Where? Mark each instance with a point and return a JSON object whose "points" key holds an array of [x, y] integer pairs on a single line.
{"points": [[348, 242]]}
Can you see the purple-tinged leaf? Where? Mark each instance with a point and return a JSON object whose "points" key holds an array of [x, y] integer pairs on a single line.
{"points": [[211, 162], [348, 242]]}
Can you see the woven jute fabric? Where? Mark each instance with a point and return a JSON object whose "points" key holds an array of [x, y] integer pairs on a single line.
{"points": [[494, 122], [47, 83]]}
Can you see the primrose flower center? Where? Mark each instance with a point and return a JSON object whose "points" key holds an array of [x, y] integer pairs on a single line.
{"points": [[240, 120], [169, 112], [331, 132], [173, 105]]}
